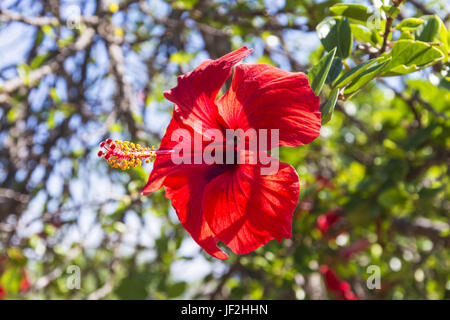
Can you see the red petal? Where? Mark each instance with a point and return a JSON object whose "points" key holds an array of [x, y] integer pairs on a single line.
{"points": [[163, 165], [186, 192], [246, 209], [265, 97], [184, 184], [196, 91]]}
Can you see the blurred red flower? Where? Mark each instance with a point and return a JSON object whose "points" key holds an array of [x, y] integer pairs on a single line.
{"points": [[323, 182], [24, 283], [326, 221], [355, 248], [2, 293], [236, 204], [339, 287]]}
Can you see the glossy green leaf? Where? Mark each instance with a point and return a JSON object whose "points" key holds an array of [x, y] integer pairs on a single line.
{"points": [[335, 70], [433, 30], [363, 34], [364, 78], [409, 23], [351, 74], [429, 30], [351, 10], [327, 108], [406, 35], [319, 72], [336, 32], [410, 56]]}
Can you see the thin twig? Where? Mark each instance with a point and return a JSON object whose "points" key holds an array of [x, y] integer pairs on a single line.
{"points": [[387, 30]]}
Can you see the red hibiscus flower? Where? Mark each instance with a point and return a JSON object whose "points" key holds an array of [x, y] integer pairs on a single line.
{"points": [[339, 287], [235, 203]]}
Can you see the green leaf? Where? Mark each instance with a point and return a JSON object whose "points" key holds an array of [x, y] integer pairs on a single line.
{"points": [[363, 34], [410, 56], [336, 32], [433, 30], [406, 35], [335, 70], [364, 78], [327, 108], [428, 31], [319, 72], [351, 74], [354, 11], [409, 23]]}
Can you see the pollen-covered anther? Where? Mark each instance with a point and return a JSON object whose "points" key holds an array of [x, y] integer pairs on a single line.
{"points": [[125, 154]]}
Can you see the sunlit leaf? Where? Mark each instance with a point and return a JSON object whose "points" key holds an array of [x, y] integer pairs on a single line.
{"points": [[319, 72], [328, 107], [410, 56], [336, 32], [351, 10]]}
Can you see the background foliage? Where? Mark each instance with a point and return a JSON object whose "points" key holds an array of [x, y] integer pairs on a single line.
{"points": [[73, 73]]}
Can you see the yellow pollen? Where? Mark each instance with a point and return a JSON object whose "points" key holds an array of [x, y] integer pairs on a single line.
{"points": [[125, 154]]}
